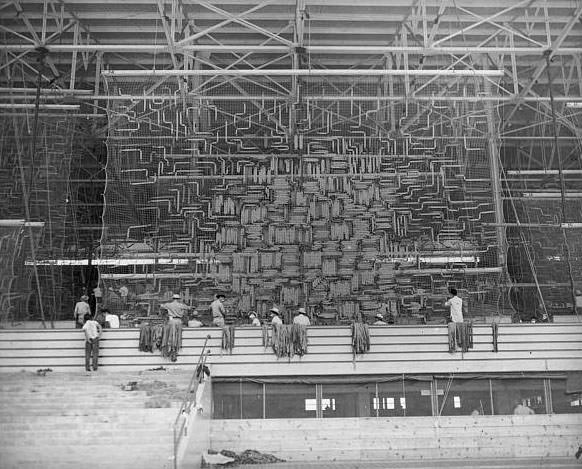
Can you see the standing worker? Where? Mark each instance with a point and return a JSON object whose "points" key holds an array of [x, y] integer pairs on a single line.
{"points": [[218, 310], [456, 306], [301, 318], [455, 327], [176, 309], [81, 309], [92, 330]]}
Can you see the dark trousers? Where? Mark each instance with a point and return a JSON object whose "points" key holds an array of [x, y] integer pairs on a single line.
{"points": [[91, 348]]}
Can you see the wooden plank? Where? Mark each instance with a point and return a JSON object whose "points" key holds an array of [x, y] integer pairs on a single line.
{"points": [[408, 423], [364, 368], [517, 339], [539, 329]]}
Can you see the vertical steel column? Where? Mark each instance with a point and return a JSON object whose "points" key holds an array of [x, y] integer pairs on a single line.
{"points": [[493, 144]]}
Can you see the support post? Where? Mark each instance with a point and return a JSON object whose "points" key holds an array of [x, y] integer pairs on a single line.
{"points": [[493, 151]]}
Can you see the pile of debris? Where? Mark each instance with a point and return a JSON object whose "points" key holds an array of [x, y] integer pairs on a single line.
{"points": [[230, 458]]}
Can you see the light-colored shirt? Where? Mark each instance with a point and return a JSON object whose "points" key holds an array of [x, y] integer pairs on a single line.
{"points": [[217, 309], [123, 291], [456, 305], [578, 301], [276, 320], [301, 319], [81, 308], [523, 410], [380, 323], [176, 309], [92, 330], [255, 322], [194, 323], [113, 320]]}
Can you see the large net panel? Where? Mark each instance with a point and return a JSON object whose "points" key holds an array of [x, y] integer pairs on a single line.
{"points": [[35, 156], [544, 208], [324, 192]]}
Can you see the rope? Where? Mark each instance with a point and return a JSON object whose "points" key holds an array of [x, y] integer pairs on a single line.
{"points": [[228, 338]]}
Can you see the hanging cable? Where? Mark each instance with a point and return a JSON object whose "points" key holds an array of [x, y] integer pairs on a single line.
{"points": [[562, 181]]}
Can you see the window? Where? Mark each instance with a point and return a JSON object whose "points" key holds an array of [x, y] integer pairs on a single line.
{"points": [[403, 398], [226, 401], [459, 396], [252, 400], [517, 395], [563, 403], [243, 400], [290, 401]]}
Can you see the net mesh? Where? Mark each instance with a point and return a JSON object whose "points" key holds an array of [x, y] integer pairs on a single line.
{"points": [[340, 199], [34, 169]]}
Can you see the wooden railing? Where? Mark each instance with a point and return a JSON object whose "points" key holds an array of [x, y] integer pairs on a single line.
{"points": [[189, 403]]}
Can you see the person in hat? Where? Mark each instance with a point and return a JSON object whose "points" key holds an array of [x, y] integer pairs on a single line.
{"points": [[218, 310], [81, 309], [380, 320], [254, 320], [301, 318], [176, 309], [275, 316]]}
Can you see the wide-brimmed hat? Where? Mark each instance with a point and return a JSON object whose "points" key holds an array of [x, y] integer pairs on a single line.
{"points": [[301, 311], [275, 310], [379, 316], [85, 297], [175, 296]]}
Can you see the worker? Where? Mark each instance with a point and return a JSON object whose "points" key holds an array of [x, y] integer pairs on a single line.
{"points": [[194, 321], [112, 320], [218, 310], [380, 320], [301, 318], [123, 293], [81, 309], [92, 330], [456, 306], [521, 409], [275, 316], [254, 321], [176, 309]]}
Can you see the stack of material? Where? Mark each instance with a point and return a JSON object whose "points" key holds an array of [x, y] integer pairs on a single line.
{"points": [[166, 338], [460, 335], [289, 340], [360, 338]]}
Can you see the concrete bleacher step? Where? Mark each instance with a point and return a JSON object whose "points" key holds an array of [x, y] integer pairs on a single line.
{"points": [[73, 420]]}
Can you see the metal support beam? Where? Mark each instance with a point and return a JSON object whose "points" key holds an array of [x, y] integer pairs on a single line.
{"points": [[277, 49], [494, 167], [305, 72]]}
